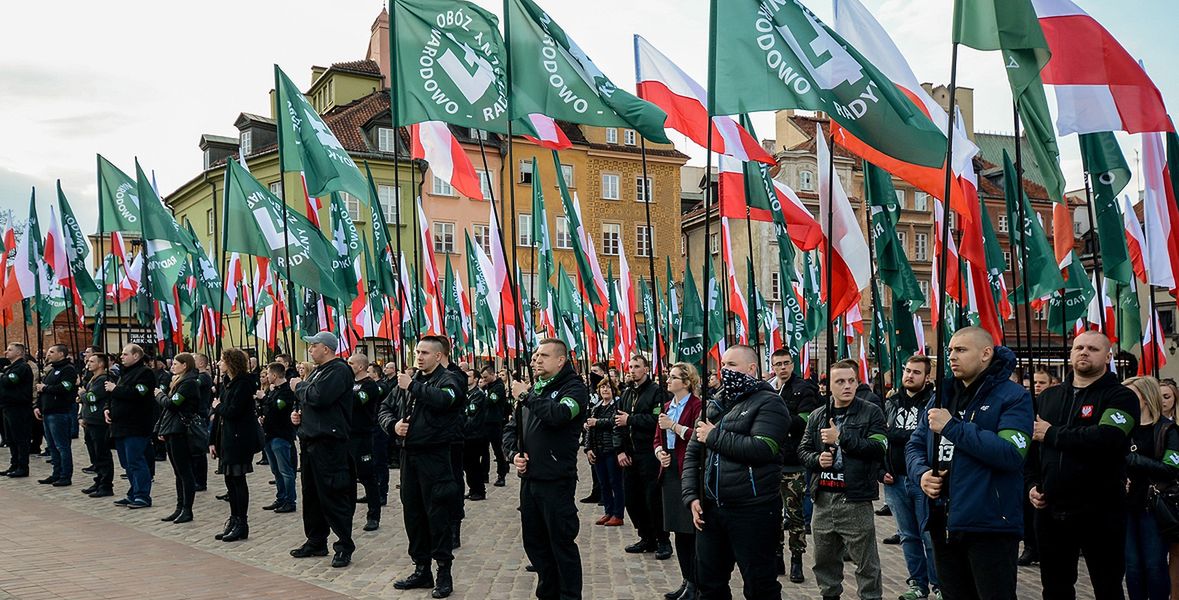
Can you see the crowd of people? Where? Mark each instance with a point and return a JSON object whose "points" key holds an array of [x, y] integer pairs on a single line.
{"points": [[749, 471]]}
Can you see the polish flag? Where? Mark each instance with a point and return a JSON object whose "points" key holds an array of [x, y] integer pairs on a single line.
{"points": [[1135, 238], [1101, 307], [978, 286], [1153, 356], [548, 133], [801, 225], [501, 286], [1099, 86], [860, 29], [1161, 216], [865, 375], [433, 142], [953, 277], [665, 85], [587, 244], [849, 268], [919, 328], [55, 250], [627, 304], [313, 204], [233, 279], [433, 312], [737, 303]]}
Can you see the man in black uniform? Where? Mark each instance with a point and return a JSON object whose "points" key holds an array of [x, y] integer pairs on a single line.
{"points": [[498, 408], [16, 398], [1076, 472], [55, 408], [129, 413], [324, 418], [546, 424], [475, 457], [277, 405], [637, 418], [431, 421], [98, 444], [366, 397], [200, 457], [802, 398]]}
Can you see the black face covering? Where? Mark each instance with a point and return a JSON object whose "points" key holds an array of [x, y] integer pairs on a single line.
{"points": [[735, 383]]}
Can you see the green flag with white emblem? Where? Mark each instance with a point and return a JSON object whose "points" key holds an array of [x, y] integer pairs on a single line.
{"points": [[76, 252], [1109, 174], [167, 244], [118, 202]]}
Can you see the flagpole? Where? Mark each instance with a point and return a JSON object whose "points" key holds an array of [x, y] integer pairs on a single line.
{"points": [[1154, 367], [656, 358], [877, 315], [1027, 309], [1095, 250], [219, 251], [708, 197], [831, 358], [101, 317], [512, 284], [499, 331], [943, 256]]}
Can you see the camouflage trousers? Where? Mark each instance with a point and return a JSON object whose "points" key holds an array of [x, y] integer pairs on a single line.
{"points": [[793, 488]]}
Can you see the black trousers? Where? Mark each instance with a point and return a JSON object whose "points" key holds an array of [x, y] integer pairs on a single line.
{"points": [[329, 492], [1101, 536], [428, 489], [495, 435], [18, 423], [644, 500], [549, 526], [685, 552], [239, 495], [360, 449], [98, 447], [740, 535], [476, 464], [180, 456], [458, 509], [976, 566]]}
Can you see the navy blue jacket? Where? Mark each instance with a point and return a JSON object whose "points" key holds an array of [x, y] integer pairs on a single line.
{"points": [[985, 492]]}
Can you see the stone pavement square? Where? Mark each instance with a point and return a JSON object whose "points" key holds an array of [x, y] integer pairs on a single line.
{"points": [[59, 543]]}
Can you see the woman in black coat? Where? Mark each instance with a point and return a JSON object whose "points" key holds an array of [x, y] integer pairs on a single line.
{"points": [[239, 434], [178, 408]]}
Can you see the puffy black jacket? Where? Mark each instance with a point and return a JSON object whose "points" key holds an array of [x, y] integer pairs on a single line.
{"points": [[237, 424], [326, 401], [434, 406], [1153, 460], [604, 437], [95, 400], [802, 399], [546, 425], [475, 415], [643, 404], [862, 444], [16, 385], [179, 404], [276, 412], [61, 389], [1080, 467], [133, 401], [366, 398], [740, 461], [902, 413]]}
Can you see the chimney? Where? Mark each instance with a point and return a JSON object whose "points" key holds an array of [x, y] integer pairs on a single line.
{"points": [[378, 46]]}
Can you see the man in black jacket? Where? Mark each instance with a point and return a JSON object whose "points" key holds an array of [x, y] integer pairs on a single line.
{"points": [[499, 406], [431, 421], [732, 470], [200, 457], [55, 408], [802, 398], [277, 406], [475, 457], [130, 416], [16, 399], [324, 419], [1075, 473], [366, 397], [97, 435], [843, 447], [546, 426], [637, 419]]}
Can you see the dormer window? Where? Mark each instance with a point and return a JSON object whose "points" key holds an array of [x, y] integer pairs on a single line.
{"points": [[246, 143]]}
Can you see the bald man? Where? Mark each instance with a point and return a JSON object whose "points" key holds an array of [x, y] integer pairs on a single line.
{"points": [[1076, 472], [968, 452], [366, 397]]}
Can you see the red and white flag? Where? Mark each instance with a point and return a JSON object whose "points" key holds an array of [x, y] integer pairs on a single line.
{"points": [[1160, 217], [626, 305], [1101, 310], [548, 133], [865, 375], [1135, 238], [501, 286], [434, 302], [1154, 358], [665, 85], [737, 304], [1099, 86], [433, 142], [801, 225], [55, 250], [848, 262]]}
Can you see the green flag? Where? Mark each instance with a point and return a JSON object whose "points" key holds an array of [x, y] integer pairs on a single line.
{"points": [[892, 266], [382, 247], [816, 309], [48, 299], [209, 289], [1108, 174], [580, 253], [691, 333], [481, 286], [347, 242], [1039, 261], [1129, 314], [778, 55], [715, 307], [306, 144], [118, 202], [1073, 303], [553, 76], [167, 244], [1011, 26], [77, 251], [254, 225]]}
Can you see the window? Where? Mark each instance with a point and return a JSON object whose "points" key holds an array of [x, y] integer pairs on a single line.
{"points": [[924, 285], [478, 134], [611, 238], [385, 140], [276, 188], [443, 237], [390, 198], [353, 204], [806, 181], [714, 243], [1077, 229], [610, 186], [775, 286], [483, 237], [902, 238], [628, 137], [900, 198], [486, 180], [212, 221], [1167, 321], [523, 230], [611, 135], [643, 193], [1007, 259], [921, 201], [1003, 223], [442, 188], [525, 172], [564, 240], [683, 245], [567, 175], [643, 240], [246, 143], [921, 247]]}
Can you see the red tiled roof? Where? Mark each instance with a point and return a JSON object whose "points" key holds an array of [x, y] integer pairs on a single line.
{"points": [[347, 121], [362, 67]]}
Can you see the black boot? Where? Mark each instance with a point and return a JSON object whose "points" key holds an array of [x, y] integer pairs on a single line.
{"points": [[690, 592], [241, 531], [444, 586], [796, 567], [229, 525], [185, 516], [175, 513], [676, 594], [421, 578]]}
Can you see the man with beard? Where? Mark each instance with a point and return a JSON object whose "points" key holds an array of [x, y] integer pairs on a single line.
{"points": [[130, 416], [1076, 473], [56, 395], [637, 420], [802, 398]]}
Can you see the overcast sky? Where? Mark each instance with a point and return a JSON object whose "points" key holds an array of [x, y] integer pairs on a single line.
{"points": [[139, 78]]}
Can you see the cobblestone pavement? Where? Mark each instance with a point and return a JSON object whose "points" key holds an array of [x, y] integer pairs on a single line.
{"points": [[59, 543]]}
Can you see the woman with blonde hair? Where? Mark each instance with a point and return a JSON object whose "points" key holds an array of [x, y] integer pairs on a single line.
{"points": [[1153, 462], [677, 419], [1170, 393]]}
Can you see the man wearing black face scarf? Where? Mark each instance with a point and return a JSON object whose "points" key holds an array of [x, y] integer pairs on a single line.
{"points": [[730, 480]]}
